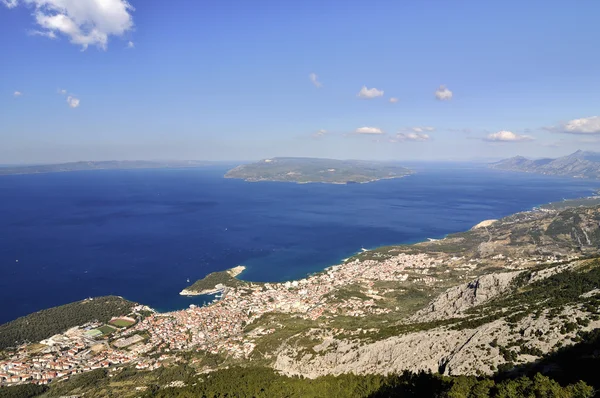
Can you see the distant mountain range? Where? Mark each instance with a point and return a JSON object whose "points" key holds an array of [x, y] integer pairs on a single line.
{"points": [[581, 164], [304, 170], [102, 165]]}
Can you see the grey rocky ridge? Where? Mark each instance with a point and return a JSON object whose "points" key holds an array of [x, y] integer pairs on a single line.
{"points": [[580, 164]]}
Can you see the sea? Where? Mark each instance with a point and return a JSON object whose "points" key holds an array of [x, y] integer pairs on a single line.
{"points": [[142, 234]]}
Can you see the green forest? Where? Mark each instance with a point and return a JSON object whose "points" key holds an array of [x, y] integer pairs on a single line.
{"points": [[43, 324], [264, 382]]}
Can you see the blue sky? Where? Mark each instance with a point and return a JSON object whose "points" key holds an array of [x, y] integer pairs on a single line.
{"points": [[231, 80]]}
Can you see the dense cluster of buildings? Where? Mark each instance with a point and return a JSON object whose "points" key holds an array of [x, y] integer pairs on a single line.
{"points": [[61, 356], [219, 328]]}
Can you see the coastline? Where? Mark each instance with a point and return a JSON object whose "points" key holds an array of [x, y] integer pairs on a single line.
{"points": [[218, 288], [174, 301], [321, 182], [236, 271]]}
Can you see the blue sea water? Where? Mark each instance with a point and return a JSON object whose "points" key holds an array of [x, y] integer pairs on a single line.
{"points": [[141, 233]]}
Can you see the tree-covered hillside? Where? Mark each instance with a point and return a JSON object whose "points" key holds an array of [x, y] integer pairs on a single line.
{"points": [[43, 324]]}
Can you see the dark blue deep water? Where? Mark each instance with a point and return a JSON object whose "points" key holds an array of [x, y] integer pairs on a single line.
{"points": [[141, 233]]}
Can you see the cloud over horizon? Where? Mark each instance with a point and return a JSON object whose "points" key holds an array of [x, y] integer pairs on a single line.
{"points": [[415, 137], [369, 93], [443, 94], [585, 125], [84, 22], [319, 133], [73, 102], [368, 130], [507, 136], [315, 80], [418, 129]]}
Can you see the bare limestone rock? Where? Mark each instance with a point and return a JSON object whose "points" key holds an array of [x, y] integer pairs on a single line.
{"points": [[454, 301], [451, 352]]}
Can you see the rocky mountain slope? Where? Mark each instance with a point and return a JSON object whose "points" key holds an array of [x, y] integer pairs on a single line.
{"points": [[580, 164]]}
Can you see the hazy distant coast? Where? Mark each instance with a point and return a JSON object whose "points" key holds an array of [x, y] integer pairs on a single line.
{"points": [[101, 165]]}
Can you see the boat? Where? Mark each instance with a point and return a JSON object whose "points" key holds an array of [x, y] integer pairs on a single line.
{"points": [[188, 280]]}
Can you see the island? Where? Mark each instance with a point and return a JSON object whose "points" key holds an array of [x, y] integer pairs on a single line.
{"points": [[100, 165], [307, 170], [580, 164]]}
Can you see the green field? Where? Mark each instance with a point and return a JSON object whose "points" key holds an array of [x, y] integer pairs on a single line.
{"points": [[121, 323], [106, 329]]}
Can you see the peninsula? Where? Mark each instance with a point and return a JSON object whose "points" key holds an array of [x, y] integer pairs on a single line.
{"points": [[306, 170], [215, 282]]}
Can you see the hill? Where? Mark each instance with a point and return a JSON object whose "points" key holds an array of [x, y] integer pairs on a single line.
{"points": [[102, 165], [43, 324], [304, 170], [580, 164]]}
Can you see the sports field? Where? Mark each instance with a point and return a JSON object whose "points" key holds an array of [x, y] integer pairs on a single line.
{"points": [[122, 323], [106, 329]]}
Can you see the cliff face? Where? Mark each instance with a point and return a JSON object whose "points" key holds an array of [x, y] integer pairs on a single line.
{"points": [[458, 299], [449, 352], [581, 164]]}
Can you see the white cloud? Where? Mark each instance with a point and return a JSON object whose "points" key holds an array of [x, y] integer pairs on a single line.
{"points": [[17, 94], [507, 136], [393, 100], [72, 101], [586, 125], [443, 94], [369, 93], [84, 22], [368, 130], [62, 92], [417, 129], [417, 137], [48, 34], [315, 80], [130, 44], [320, 133], [9, 3]]}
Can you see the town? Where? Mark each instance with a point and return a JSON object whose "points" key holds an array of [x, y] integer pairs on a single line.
{"points": [[219, 328]]}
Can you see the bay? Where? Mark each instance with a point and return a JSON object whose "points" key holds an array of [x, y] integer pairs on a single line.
{"points": [[141, 234]]}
